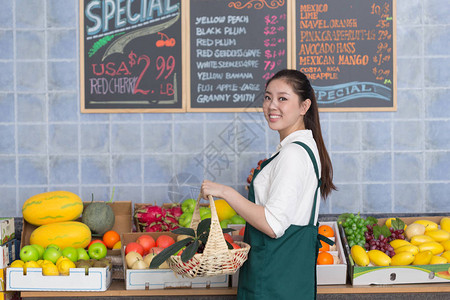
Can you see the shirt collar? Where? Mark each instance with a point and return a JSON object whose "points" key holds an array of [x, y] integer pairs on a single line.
{"points": [[294, 136]]}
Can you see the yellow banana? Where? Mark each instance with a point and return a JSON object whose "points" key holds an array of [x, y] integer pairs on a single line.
{"points": [[423, 258], [436, 260], [359, 255], [407, 248], [445, 223], [402, 259], [398, 243], [379, 258], [434, 247], [438, 235], [420, 239], [429, 225]]}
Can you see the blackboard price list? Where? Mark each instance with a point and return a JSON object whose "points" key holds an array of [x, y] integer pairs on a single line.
{"points": [[235, 48], [274, 44], [345, 47]]}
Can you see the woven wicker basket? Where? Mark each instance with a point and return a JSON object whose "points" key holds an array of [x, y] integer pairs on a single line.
{"points": [[216, 258]]}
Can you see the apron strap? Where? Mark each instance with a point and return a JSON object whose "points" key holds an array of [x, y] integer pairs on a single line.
{"points": [[319, 181]]}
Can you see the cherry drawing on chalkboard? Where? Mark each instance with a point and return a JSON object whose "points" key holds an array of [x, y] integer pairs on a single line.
{"points": [[165, 41]]}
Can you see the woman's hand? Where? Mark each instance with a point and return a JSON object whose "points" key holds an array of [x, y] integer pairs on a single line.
{"points": [[213, 189]]}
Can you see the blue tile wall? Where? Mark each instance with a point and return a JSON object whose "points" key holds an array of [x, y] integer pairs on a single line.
{"points": [[383, 161]]}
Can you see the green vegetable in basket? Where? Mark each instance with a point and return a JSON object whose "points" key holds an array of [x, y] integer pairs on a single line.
{"points": [[195, 242]]}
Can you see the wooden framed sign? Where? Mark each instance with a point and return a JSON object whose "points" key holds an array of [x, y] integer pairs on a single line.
{"points": [[234, 47], [348, 50], [131, 56]]}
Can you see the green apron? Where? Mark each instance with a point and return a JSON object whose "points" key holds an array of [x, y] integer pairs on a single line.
{"points": [[283, 268]]}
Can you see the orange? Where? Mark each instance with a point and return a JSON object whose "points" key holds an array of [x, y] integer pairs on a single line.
{"points": [[224, 210], [326, 230], [110, 238], [325, 258], [325, 246]]}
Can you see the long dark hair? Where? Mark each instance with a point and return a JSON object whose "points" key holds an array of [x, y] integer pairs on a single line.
{"points": [[302, 87]]}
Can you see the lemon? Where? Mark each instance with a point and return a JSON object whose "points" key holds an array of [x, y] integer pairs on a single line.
{"points": [[117, 245], [65, 266], [49, 269], [17, 264], [389, 222], [60, 259], [224, 210], [30, 264]]}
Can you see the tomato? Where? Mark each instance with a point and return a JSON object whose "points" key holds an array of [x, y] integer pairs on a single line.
{"points": [[134, 247], [110, 238], [228, 238], [164, 241], [147, 242], [96, 241]]}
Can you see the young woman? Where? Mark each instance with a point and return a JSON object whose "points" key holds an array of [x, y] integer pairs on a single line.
{"points": [[283, 203]]}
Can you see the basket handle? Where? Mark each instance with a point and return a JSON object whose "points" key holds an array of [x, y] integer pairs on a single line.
{"points": [[216, 240]]}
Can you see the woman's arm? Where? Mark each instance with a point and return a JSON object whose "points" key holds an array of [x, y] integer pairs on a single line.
{"points": [[251, 212]]}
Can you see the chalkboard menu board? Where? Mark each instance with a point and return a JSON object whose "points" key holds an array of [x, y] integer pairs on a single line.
{"points": [[235, 46], [347, 49], [131, 56]]}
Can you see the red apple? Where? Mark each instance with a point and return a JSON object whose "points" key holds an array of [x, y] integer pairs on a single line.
{"points": [[134, 247], [147, 242]]}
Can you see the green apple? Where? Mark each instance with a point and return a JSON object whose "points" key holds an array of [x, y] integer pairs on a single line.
{"points": [[54, 246], [237, 219], [224, 223], [40, 249], [205, 215], [29, 253], [185, 219], [82, 254], [204, 210], [97, 250], [188, 205], [71, 253], [52, 254]]}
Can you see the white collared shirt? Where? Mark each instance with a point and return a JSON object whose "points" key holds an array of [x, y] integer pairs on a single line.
{"points": [[286, 186]]}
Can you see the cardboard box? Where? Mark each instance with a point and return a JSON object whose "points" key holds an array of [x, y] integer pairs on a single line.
{"points": [[336, 273], [163, 278], [9, 252], [137, 206], [97, 280], [397, 274], [326, 274], [7, 230]]}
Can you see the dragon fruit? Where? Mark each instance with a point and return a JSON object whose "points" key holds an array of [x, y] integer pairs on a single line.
{"points": [[174, 211], [153, 218], [171, 223], [150, 214], [155, 227]]}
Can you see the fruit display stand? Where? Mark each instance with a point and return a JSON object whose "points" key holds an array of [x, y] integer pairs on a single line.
{"points": [[437, 273], [97, 279], [163, 278]]}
